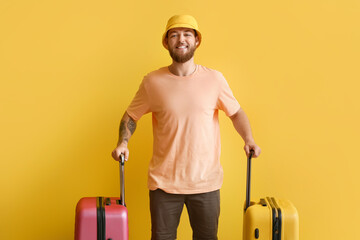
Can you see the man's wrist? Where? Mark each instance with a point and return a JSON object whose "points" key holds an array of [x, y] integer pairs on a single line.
{"points": [[124, 143], [249, 140]]}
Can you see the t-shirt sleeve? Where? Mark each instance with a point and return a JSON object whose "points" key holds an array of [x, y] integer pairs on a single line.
{"points": [[140, 104], [226, 100]]}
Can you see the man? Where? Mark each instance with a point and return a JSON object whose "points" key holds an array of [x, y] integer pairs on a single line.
{"points": [[184, 99]]}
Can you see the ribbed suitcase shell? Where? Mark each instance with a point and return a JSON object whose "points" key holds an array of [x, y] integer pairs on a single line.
{"points": [[262, 219], [116, 220], [259, 216]]}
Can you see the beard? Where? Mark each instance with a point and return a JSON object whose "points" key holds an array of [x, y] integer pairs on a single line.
{"points": [[182, 58]]}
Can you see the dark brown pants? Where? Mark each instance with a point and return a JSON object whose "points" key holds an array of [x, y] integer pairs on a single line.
{"points": [[166, 209]]}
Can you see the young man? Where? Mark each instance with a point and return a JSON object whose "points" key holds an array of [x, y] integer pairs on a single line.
{"points": [[184, 99]]}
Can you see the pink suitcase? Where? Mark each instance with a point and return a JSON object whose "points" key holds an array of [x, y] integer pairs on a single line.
{"points": [[103, 218]]}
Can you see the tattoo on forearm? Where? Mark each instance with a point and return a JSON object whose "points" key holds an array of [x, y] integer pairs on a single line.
{"points": [[127, 128], [131, 125], [123, 135]]}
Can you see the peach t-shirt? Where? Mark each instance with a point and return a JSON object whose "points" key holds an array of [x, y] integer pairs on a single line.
{"points": [[186, 154]]}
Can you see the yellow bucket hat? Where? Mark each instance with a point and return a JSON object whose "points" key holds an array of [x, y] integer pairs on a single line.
{"points": [[185, 21]]}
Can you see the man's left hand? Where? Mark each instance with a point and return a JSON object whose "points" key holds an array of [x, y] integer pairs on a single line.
{"points": [[252, 146]]}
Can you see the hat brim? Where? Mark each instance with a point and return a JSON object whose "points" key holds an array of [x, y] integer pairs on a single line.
{"points": [[181, 25]]}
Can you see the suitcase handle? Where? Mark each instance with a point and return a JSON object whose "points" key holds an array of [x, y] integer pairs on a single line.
{"points": [[122, 184], [248, 178]]}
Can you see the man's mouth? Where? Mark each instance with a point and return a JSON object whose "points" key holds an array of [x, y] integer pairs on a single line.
{"points": [[182, 47]]}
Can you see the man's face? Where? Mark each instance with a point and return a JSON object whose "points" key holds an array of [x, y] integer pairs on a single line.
{"points": [[181, 43]]}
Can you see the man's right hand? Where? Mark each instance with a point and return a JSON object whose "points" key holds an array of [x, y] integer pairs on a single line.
{"points": [[121, 149]]}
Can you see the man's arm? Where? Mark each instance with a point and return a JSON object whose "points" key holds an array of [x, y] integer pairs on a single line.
{"points": [[242, 126], [126, 130]]}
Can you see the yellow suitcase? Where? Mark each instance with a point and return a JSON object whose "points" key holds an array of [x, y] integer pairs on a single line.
{"points": [[270, 218]]}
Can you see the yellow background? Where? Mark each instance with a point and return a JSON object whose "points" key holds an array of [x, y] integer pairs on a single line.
{"points": [[69, 69]]}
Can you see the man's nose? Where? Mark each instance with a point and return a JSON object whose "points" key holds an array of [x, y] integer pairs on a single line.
{"points": [[181, 38]]}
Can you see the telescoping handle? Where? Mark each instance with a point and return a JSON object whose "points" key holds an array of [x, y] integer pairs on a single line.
{"points": [[122, 184], [248, 178]]}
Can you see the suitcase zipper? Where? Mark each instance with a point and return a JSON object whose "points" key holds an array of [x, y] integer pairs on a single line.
{"points": [[276, 219], [100, 213], [279, 218], [274, 214]]}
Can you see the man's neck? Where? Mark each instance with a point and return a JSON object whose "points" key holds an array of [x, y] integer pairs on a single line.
{"points": [[183, 69]]}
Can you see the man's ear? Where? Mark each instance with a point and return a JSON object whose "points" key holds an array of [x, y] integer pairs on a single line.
{"points": [[166, 43], [197, 40]]}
